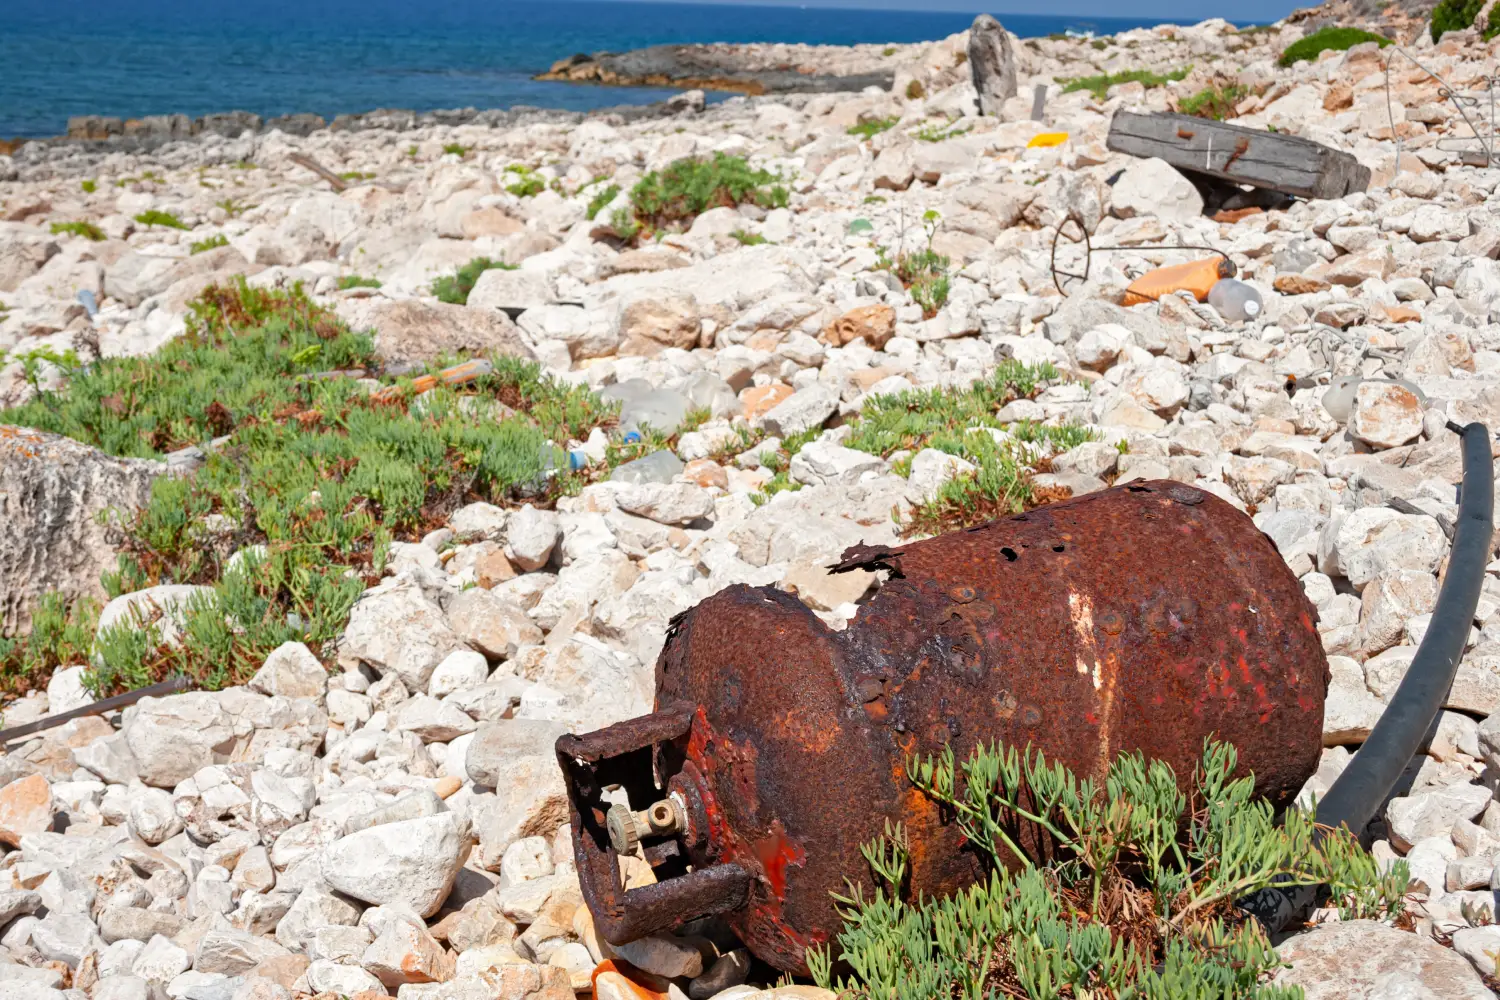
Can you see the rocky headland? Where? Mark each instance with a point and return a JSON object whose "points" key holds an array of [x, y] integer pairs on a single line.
{"points": [[381, 813]]}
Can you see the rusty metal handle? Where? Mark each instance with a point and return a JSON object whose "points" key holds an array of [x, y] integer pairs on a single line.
{"points": [[623, 915]]}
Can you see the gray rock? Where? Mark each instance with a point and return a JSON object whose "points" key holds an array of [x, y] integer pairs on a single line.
{"points": [[729, 969], [173, 737], [657, 467], [1352, 960], [1411, 818], [234, 953], [666, 503], [412, 863], [413, 331], [992, 64], [499, 289], [291, 671], [801, 411], [531, 534], [1154, 187], [643, 405], [66, 938], [315, 909], [435, 721], [161, 961], [52, 491], [122, 923], [397, 629], [110, 758], [122, 988], [490, 623]]}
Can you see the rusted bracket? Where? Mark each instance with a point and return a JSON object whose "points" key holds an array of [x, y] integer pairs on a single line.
{"points": [[593, 762]]}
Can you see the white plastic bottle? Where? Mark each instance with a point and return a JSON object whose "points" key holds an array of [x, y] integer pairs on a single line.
{"points": [[1234, 300]]}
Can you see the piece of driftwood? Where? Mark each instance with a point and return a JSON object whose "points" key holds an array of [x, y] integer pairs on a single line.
{"points": [[307, 162], [1240, 155], [96, 708]]}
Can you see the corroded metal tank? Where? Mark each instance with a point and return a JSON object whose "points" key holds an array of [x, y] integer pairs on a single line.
{"points": [[1147, 617]]}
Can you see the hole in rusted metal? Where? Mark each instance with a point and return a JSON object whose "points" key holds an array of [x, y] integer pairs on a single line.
{"points": [[1059, 548], [1139, 489], [1009, 554]]}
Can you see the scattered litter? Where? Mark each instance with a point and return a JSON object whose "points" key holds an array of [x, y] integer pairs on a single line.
{"points": [[1046, 140]]}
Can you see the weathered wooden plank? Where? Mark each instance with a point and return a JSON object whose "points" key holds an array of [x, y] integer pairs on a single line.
{"points": [[1241, 155]]}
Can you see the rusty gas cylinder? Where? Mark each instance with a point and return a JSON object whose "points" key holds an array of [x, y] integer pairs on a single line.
{"points": [[1147, 617]]}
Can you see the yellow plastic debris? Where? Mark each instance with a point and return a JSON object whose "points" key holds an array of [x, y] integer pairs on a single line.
{"points": [[1196, 276], [1043, 140]]}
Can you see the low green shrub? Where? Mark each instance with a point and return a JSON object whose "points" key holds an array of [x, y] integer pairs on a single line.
{"points": [[528, 182], [349, 281], [1099, 85], [924, 272], [747, 239], [232, 207], [89, 186], [670, 199], [965, 423], [61, 634], [87, 230], [873, 127], [155, 217], [1491, 24], [1217, 103], [315, 475], [455, 288], [601, 199], [200, 246], [940, 131], [1337, 39], [457, 149], [356, 176], [1453, 15], [1106, 889]]}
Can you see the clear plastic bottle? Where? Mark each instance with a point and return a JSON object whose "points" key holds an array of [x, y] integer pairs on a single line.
{"points": [[1234, 300]]}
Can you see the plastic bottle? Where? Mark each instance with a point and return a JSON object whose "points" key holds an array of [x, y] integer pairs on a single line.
{"points": [[1235, 300]]}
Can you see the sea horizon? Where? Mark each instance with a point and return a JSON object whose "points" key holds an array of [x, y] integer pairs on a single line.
{"points": [[277, 57]]}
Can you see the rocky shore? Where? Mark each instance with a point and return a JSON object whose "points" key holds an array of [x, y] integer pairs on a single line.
{"points": [[750, 69], [384, 816]]}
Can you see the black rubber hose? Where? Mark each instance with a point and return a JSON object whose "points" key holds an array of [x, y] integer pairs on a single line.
{"points": [[1398, 735]]}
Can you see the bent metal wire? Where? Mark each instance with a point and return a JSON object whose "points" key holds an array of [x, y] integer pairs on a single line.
{"points": [[1480, 146], [1083, 237]]}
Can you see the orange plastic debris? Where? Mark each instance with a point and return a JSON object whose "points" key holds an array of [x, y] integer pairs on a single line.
{"points": [[1196, 276], [1043, 140], [613, 980]]}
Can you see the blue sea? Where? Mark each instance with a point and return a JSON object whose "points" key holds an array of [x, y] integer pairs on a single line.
{"points": [[139, 57]]}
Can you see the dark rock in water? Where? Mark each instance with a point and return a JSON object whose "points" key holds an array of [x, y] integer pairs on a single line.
{"points": [[992, 64], [707, 67], [94, 127], [227, 123], [160, 127], [298, 124]]}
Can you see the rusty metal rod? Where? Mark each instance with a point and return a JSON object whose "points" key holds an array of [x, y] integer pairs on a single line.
{"points": [[125, 700]]}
